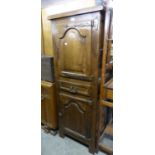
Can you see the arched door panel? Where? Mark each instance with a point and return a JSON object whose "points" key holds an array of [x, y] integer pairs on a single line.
{"points": [[74, 51]]}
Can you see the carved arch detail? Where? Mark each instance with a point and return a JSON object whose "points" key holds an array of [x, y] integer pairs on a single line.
{"points": [[74, 103], [81, 34]]}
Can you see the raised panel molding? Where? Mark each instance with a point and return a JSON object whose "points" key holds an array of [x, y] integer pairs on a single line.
{"points": [[75, 104], [81, 34]]}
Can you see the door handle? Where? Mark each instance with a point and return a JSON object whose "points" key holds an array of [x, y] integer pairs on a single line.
{"points": [[73, 89]]}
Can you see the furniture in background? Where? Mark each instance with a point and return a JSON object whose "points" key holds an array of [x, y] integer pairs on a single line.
{"points": [[42, 39], [77, 40], [106, 91], [106, 139], [46, 33], [47, 68], [48, 97], [48, 106]]}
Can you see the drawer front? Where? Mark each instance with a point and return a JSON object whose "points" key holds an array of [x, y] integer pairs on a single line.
{"points": [[76, 87]]}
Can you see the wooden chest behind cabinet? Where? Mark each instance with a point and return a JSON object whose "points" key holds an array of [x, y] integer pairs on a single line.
{"points": [[76, 37], [48, 105]]}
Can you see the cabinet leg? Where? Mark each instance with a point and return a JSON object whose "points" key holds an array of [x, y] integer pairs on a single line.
{"points": [[92, 148], [61, 134], [53, 132]]}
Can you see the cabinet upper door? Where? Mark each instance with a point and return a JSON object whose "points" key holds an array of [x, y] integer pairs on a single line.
{"points": [[74, 50]]}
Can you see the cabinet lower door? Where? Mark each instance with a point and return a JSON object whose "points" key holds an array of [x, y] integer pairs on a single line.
{"points": [[75, 115]]}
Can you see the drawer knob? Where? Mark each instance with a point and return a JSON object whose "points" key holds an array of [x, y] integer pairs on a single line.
{"points": [[60, 114], [73, 89]]}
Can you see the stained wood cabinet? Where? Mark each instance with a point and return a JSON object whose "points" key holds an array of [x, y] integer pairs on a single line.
{"points": [[77, 39]]}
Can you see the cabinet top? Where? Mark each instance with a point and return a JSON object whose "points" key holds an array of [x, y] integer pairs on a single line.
{"points": [[77, 12]]}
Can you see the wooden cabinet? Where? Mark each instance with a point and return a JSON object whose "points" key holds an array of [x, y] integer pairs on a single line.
{"points": [[76, 37], [48, 105]]}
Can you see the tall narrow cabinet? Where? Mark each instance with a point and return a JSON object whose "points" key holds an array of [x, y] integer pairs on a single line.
{"points": [[77, 38]]}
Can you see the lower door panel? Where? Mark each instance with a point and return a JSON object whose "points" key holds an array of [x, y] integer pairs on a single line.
{"points": [[76, 114]]}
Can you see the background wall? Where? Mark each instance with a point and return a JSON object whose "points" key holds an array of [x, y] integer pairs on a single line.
{"points": [[46, 3], [50, 7], [47, 36]]}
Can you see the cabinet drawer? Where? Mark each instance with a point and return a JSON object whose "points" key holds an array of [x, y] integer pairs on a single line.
{"points": [[75, 87], [84, 100]]}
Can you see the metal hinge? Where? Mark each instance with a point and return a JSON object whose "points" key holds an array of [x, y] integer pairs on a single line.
{"points": [[95, 24]]}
